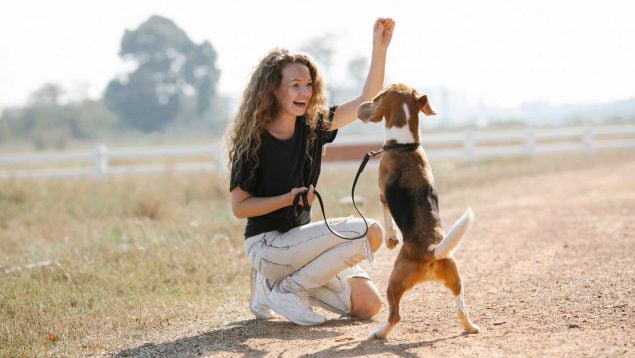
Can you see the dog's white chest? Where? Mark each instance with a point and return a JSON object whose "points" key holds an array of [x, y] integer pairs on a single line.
{"points": [[399, 134]]}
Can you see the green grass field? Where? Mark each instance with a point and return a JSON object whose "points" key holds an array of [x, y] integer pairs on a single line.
{"points": [[85, 263]]}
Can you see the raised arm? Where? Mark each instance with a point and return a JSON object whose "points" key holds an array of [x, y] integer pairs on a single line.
{"points": [[382, 34]]}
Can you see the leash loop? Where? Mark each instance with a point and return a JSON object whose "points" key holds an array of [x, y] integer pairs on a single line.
{"points": [[306, 206], [367, 157]]}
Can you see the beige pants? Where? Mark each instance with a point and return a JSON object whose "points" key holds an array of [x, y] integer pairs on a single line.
{"points": [[310, 258]]}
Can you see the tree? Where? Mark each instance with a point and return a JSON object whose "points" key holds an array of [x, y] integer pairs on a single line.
{"points": [[49, 94], [168, 66], [47, 121]]}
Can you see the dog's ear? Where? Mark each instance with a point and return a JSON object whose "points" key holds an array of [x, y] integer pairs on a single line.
{"points": [[368, 111], [424, 106]]}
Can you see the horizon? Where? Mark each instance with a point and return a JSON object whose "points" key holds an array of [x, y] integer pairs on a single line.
{"points": [[505, 55]]}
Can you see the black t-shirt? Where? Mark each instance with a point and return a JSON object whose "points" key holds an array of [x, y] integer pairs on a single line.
{"points": [[283, 165]]}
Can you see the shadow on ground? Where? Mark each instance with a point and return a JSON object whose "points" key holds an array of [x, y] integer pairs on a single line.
{"points": [[377, 347], [233, 339]]}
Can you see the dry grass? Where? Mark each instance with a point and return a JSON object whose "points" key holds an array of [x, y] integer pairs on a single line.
{"points": [[119, 259]]}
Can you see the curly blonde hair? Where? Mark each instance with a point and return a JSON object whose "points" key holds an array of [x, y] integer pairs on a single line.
{"points": [[259, 105]]}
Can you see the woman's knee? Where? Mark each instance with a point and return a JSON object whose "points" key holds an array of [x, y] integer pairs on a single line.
{"points": [[368, 310], [365, 298], [375, 236]]}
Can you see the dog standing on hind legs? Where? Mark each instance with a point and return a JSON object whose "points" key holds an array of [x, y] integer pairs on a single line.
{"points": [[410, 202]]}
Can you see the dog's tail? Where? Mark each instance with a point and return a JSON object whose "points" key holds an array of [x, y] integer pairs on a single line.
{"points": [[453, 238]]}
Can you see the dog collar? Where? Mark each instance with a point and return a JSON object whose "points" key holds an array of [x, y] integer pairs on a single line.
{"points": [[401, 147]]}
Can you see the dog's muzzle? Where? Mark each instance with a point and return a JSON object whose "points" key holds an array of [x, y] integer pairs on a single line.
{"points": [[365, 111]]}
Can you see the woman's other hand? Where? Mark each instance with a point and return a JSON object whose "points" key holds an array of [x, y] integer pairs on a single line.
{"points": [[310, 194]]}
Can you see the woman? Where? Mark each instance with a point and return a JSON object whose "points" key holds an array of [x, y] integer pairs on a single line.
{"points": [[275, 144]]}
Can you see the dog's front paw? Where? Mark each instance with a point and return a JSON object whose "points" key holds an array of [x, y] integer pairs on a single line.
{"points": [[393, 238], [392, 242]]}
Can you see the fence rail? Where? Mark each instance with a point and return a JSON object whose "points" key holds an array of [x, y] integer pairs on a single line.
{"points": [[469, 145]]}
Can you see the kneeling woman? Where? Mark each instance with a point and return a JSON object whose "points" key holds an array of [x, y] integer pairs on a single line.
{"points": [[281, 125]]}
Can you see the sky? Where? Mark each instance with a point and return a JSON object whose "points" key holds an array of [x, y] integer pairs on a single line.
{"points": [[500, 52]]}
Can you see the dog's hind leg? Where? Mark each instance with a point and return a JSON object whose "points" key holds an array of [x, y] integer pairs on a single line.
{"points": [[403, 277], [395, 292], [447, 271], [464, 317]]}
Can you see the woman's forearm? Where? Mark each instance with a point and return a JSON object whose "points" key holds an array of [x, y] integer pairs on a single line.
{"points": [[245, 205], [382, 35], [376, 72], [257, 206]]}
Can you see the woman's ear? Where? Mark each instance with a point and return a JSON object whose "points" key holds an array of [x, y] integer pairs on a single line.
{"points": [[424, 106]]}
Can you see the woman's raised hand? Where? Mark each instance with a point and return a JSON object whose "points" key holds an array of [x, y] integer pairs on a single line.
{"points": [[382, 32]]}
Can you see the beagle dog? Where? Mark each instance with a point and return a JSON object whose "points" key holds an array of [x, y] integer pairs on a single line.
{"points": [[410, 202]]}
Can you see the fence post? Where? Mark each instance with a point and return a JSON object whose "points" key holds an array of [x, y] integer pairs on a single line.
{"points": [[530, 142], [468, 146], [101, 160], [587, 140]]}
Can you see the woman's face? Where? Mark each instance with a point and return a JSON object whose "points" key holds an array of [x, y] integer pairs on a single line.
{"points": [[295, 90]]}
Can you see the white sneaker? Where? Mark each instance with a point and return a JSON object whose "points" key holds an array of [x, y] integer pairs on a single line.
{"points": [[259, 300], [295, 307]]}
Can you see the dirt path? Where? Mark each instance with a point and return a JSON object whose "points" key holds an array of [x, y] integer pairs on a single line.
{"points": [[548, 270]]}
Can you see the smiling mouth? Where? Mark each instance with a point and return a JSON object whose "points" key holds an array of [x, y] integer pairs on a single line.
{"points": [[299, 104]]}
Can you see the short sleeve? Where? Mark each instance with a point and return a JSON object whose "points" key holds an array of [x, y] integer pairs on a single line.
{"points": [[242, 176], [329, 136]]}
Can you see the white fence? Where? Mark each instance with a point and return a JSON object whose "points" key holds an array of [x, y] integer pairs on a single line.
{"points": [[472, 145], [468, 145], [102, 161]]}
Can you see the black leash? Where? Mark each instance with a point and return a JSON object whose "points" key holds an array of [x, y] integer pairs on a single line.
{"points": [[367, 157]]}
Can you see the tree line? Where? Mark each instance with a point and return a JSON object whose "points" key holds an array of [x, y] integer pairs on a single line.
{"points": [[171, 88]]}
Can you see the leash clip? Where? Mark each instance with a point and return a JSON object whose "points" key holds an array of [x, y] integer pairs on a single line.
{"points": [[373, 154]]}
